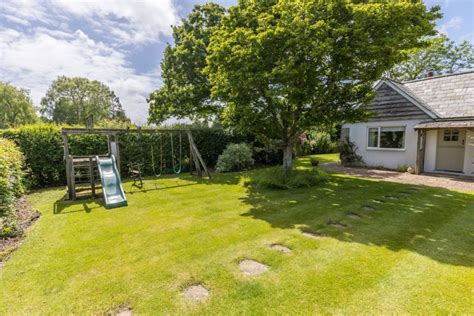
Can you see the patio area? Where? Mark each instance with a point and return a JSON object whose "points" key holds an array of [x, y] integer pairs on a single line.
{"points": [[447, 181]]}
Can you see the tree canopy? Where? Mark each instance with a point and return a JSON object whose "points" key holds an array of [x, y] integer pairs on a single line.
{"points": [[16, 107], [281, 67], [186, 89], [441, 56], [73, 100]]}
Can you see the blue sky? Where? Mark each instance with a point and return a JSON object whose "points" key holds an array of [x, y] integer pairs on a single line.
{"points": [[119, 42]]}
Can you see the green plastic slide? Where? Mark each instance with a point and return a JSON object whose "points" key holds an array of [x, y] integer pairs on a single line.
{"points": [[111, 182]]}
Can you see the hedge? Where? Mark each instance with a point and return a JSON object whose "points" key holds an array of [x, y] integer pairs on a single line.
{"points": [[11, 184], [43, 149]]}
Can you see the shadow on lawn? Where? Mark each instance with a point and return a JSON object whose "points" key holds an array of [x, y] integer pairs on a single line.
{"points": [[436, 223], [63, 206]]}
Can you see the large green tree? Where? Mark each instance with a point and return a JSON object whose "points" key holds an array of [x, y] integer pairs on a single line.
{"points": [[281, 67], [186, 89], [441, 56], [73, 100], [16, 107]]}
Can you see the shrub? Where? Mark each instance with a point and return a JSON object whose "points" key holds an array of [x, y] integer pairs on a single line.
{"points": [[314, 161], [234, 158], [11, 184], [42, 147], [277, 179], [317, 142], [348, 153]]}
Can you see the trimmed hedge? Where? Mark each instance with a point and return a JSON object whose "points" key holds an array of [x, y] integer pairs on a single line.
{"points": [[11, 184], [43, 149]]}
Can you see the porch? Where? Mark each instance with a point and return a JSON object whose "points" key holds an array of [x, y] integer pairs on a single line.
{"points": [[445, 147]]}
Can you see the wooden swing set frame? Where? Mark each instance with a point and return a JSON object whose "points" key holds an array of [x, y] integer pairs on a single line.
{"points": [[89, 164]]}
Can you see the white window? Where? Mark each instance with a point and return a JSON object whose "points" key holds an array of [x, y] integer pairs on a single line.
{"points": [[386, 137], [451, 135]]}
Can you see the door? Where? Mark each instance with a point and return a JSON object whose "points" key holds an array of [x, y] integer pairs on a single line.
{"points": [[450, 153]]}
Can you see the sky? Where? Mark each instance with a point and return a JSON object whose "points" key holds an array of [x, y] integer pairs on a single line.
{"points": [[119, 42]]}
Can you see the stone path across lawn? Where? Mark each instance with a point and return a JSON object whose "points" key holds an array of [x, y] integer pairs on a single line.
{"points": [[433, 180], [196, 292], [252, 267]]}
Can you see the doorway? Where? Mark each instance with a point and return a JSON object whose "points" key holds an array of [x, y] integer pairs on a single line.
{"points": [[450, 151]]}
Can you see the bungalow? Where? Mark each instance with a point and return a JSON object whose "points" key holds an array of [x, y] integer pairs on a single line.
{"points": [[427, 124]]}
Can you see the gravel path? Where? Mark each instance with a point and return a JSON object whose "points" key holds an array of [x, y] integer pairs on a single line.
{"points": [[433, 180]]}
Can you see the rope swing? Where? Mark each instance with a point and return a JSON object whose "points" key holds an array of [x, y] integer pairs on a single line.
{"points": [[176, 170], [157, 175]]}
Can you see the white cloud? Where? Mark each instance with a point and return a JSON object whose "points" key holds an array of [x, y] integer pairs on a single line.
{"points": [[455, 23], [129, 21], [33, 60], [40, 40]]}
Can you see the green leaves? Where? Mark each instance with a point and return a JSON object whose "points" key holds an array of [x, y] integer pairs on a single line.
{"points": [[186, 91], [282, 67], [16, 107], [440, 56], [73, 100]]}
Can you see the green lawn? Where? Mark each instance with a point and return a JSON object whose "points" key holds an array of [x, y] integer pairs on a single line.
{"points": [[413, 254]]}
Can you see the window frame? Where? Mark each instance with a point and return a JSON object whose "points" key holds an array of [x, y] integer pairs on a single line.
{"points": [[379, 130]]}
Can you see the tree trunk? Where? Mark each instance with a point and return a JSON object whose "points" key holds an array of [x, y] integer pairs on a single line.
{"points": [[287, 157]]}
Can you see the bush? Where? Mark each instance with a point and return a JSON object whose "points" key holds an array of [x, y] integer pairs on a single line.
{"points": [[348, 153], [235, 157], [317, 142], [277, 179], [314, 161], [42, 147], [11, 184]]}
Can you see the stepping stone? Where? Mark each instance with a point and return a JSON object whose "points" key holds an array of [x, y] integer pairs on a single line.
{"points": [[353, 216], [126, 311], [196, 292], [312, 235], [369, 208], [337, 224], [379, 201], [280, 248], [252, 267]]}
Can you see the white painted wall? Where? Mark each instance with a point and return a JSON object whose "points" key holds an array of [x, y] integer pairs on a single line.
{"points": [[469, 154], [430, 150], [387, 158]]}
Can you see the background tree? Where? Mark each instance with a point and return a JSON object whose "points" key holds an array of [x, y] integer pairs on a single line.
{"points": [[16, 107], [186, 89], [73, 100], [441, 56], [282, 67]]}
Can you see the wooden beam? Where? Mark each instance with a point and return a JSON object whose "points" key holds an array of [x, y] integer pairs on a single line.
{"points": [[113, 131], [420, 152]]}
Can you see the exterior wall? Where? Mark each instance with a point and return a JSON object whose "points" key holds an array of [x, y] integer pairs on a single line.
{"points": [[469, 154], [430, 150], [387, 158]]}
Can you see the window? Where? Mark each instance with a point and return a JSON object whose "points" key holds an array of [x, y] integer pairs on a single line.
{"points": [[386, 137], [374, 137], [451, 135]]}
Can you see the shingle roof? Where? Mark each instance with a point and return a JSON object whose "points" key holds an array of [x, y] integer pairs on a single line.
{"points": [[448, 96], [446, 124]]}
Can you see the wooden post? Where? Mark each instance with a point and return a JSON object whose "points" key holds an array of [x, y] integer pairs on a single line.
{"points": [[72, 178], [68, 162], [198, 155], [420, 151], [193, 154], [91, 173]]}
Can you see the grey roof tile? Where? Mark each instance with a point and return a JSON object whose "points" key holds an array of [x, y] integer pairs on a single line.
{"points": [[449, 96]]}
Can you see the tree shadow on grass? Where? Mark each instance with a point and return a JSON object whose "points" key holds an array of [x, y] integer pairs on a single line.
{"points": [[433, 222]]}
